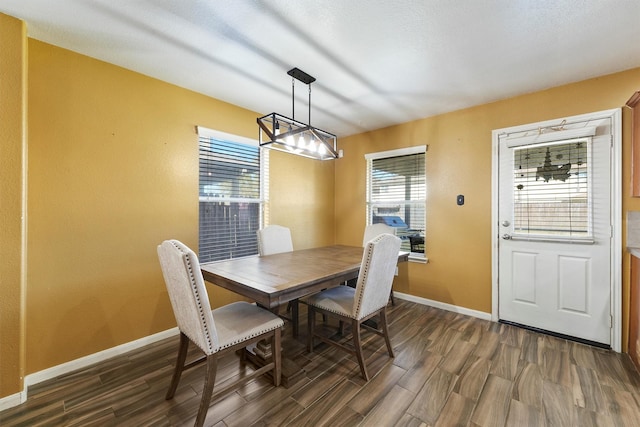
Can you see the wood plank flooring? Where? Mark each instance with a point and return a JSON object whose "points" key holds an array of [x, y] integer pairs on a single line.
{"points": [[449, 370]]}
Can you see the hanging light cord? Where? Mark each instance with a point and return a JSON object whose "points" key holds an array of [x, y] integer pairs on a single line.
{"points": [[293, 98], [309, 123]]}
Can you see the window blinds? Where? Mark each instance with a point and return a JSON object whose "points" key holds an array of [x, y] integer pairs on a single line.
{"points": [[551, 190], [230, 199], [396, 190]]}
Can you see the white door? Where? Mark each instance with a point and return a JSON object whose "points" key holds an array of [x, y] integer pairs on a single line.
{"points": [[555, 227]]}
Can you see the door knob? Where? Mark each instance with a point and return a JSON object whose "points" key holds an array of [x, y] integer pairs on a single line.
{"points": [[506, 223], [506, 237]]}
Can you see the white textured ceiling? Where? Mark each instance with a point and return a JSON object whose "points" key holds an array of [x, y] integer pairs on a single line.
{"points": [[377, 62]]}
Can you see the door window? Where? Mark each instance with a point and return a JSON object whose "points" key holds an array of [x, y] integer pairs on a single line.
{"points": [[551, 189]]}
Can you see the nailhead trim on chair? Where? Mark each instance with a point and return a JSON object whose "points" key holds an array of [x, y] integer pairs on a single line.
{"points": [[215, 347], [252, 335], [211, 348], [363, 273]]}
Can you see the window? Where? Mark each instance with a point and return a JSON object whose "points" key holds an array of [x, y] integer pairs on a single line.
{"points": [[551, 189], [396, 195], [232, 192]]}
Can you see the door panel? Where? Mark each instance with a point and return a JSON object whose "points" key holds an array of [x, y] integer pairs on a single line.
{"points": [[554, 245], [574, 284], [524, 277]]}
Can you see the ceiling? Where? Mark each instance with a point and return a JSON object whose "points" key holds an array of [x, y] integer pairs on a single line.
{"points": [[377, 62]]}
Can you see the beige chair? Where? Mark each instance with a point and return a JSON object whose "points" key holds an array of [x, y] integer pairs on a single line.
{"points": [[356, 305], [215, 332], [274, 239], [372, 231]]}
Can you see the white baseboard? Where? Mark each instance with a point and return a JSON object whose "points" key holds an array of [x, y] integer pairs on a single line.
{"points": [[443, 305], [83, 362], [13, 400], [100, 356]]}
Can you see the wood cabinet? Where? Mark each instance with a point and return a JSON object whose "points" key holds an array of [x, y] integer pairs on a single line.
{"points": [[634, 104], [634, 312]]}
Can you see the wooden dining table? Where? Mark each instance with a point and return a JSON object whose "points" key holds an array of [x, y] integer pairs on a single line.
{"points": [[274, 280]]}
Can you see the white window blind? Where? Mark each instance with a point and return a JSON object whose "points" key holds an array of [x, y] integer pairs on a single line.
{"points": [[396, 195], [552, 190], [231, 196]]}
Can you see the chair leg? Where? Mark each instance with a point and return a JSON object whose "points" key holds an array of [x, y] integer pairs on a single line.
{"points": [[183, 346], [311, 327], [357, 343], [385, 330], [276, 351], [391, 298], [243, 355], [341, 327], [209, 381]]}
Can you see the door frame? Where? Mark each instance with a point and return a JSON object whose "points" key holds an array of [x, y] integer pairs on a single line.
{"points": [[616, 211]]}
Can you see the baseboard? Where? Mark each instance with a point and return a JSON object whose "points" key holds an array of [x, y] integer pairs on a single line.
{"points": [[13, 400], [443, 305], [83, 362], [100, 356]]}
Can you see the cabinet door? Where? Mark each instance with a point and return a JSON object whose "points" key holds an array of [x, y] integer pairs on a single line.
{"points": [[634, 312], [634, 104]]}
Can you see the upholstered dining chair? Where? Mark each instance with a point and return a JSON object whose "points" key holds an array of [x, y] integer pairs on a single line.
{"points": [[274, 239], [356, 305], [215, 332], [371, 231], [374, 230]]}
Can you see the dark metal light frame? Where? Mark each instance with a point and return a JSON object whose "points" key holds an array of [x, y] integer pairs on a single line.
{"points": [[279, 132]]}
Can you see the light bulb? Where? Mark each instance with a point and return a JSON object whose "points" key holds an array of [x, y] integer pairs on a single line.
{"points": [[301, 141]]}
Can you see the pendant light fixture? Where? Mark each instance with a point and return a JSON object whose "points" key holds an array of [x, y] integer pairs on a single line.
{"points": [[286, 134]]}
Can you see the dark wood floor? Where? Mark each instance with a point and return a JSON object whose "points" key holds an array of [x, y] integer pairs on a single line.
{"points": [[449, 370]]}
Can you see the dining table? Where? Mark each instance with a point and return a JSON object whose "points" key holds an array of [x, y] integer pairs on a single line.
{"points": [[274, 280]]}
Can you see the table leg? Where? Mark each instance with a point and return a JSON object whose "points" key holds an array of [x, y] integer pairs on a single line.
{"points": [[260, 354], [295, 318]]}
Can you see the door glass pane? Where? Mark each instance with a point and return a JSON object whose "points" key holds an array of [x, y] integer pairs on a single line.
{"points": [[551, 189]]}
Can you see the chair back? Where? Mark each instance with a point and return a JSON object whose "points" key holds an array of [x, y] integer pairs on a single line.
{"points": [[374, 230], [188, 295], [274, 239], [376, 275]]}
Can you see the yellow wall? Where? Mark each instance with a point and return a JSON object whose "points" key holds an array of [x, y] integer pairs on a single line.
{"points": [[303, 199], [458, 242], [13, 56], [113, 171]]}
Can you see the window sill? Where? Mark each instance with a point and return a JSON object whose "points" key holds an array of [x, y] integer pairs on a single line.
{"points": [[420, 259]]}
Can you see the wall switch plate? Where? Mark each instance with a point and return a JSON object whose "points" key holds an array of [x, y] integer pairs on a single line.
{"points": [[460, 200]]}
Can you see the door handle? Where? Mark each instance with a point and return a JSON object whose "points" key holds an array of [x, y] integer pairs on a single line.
{"points": [[506, 236], [506, 223]]}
